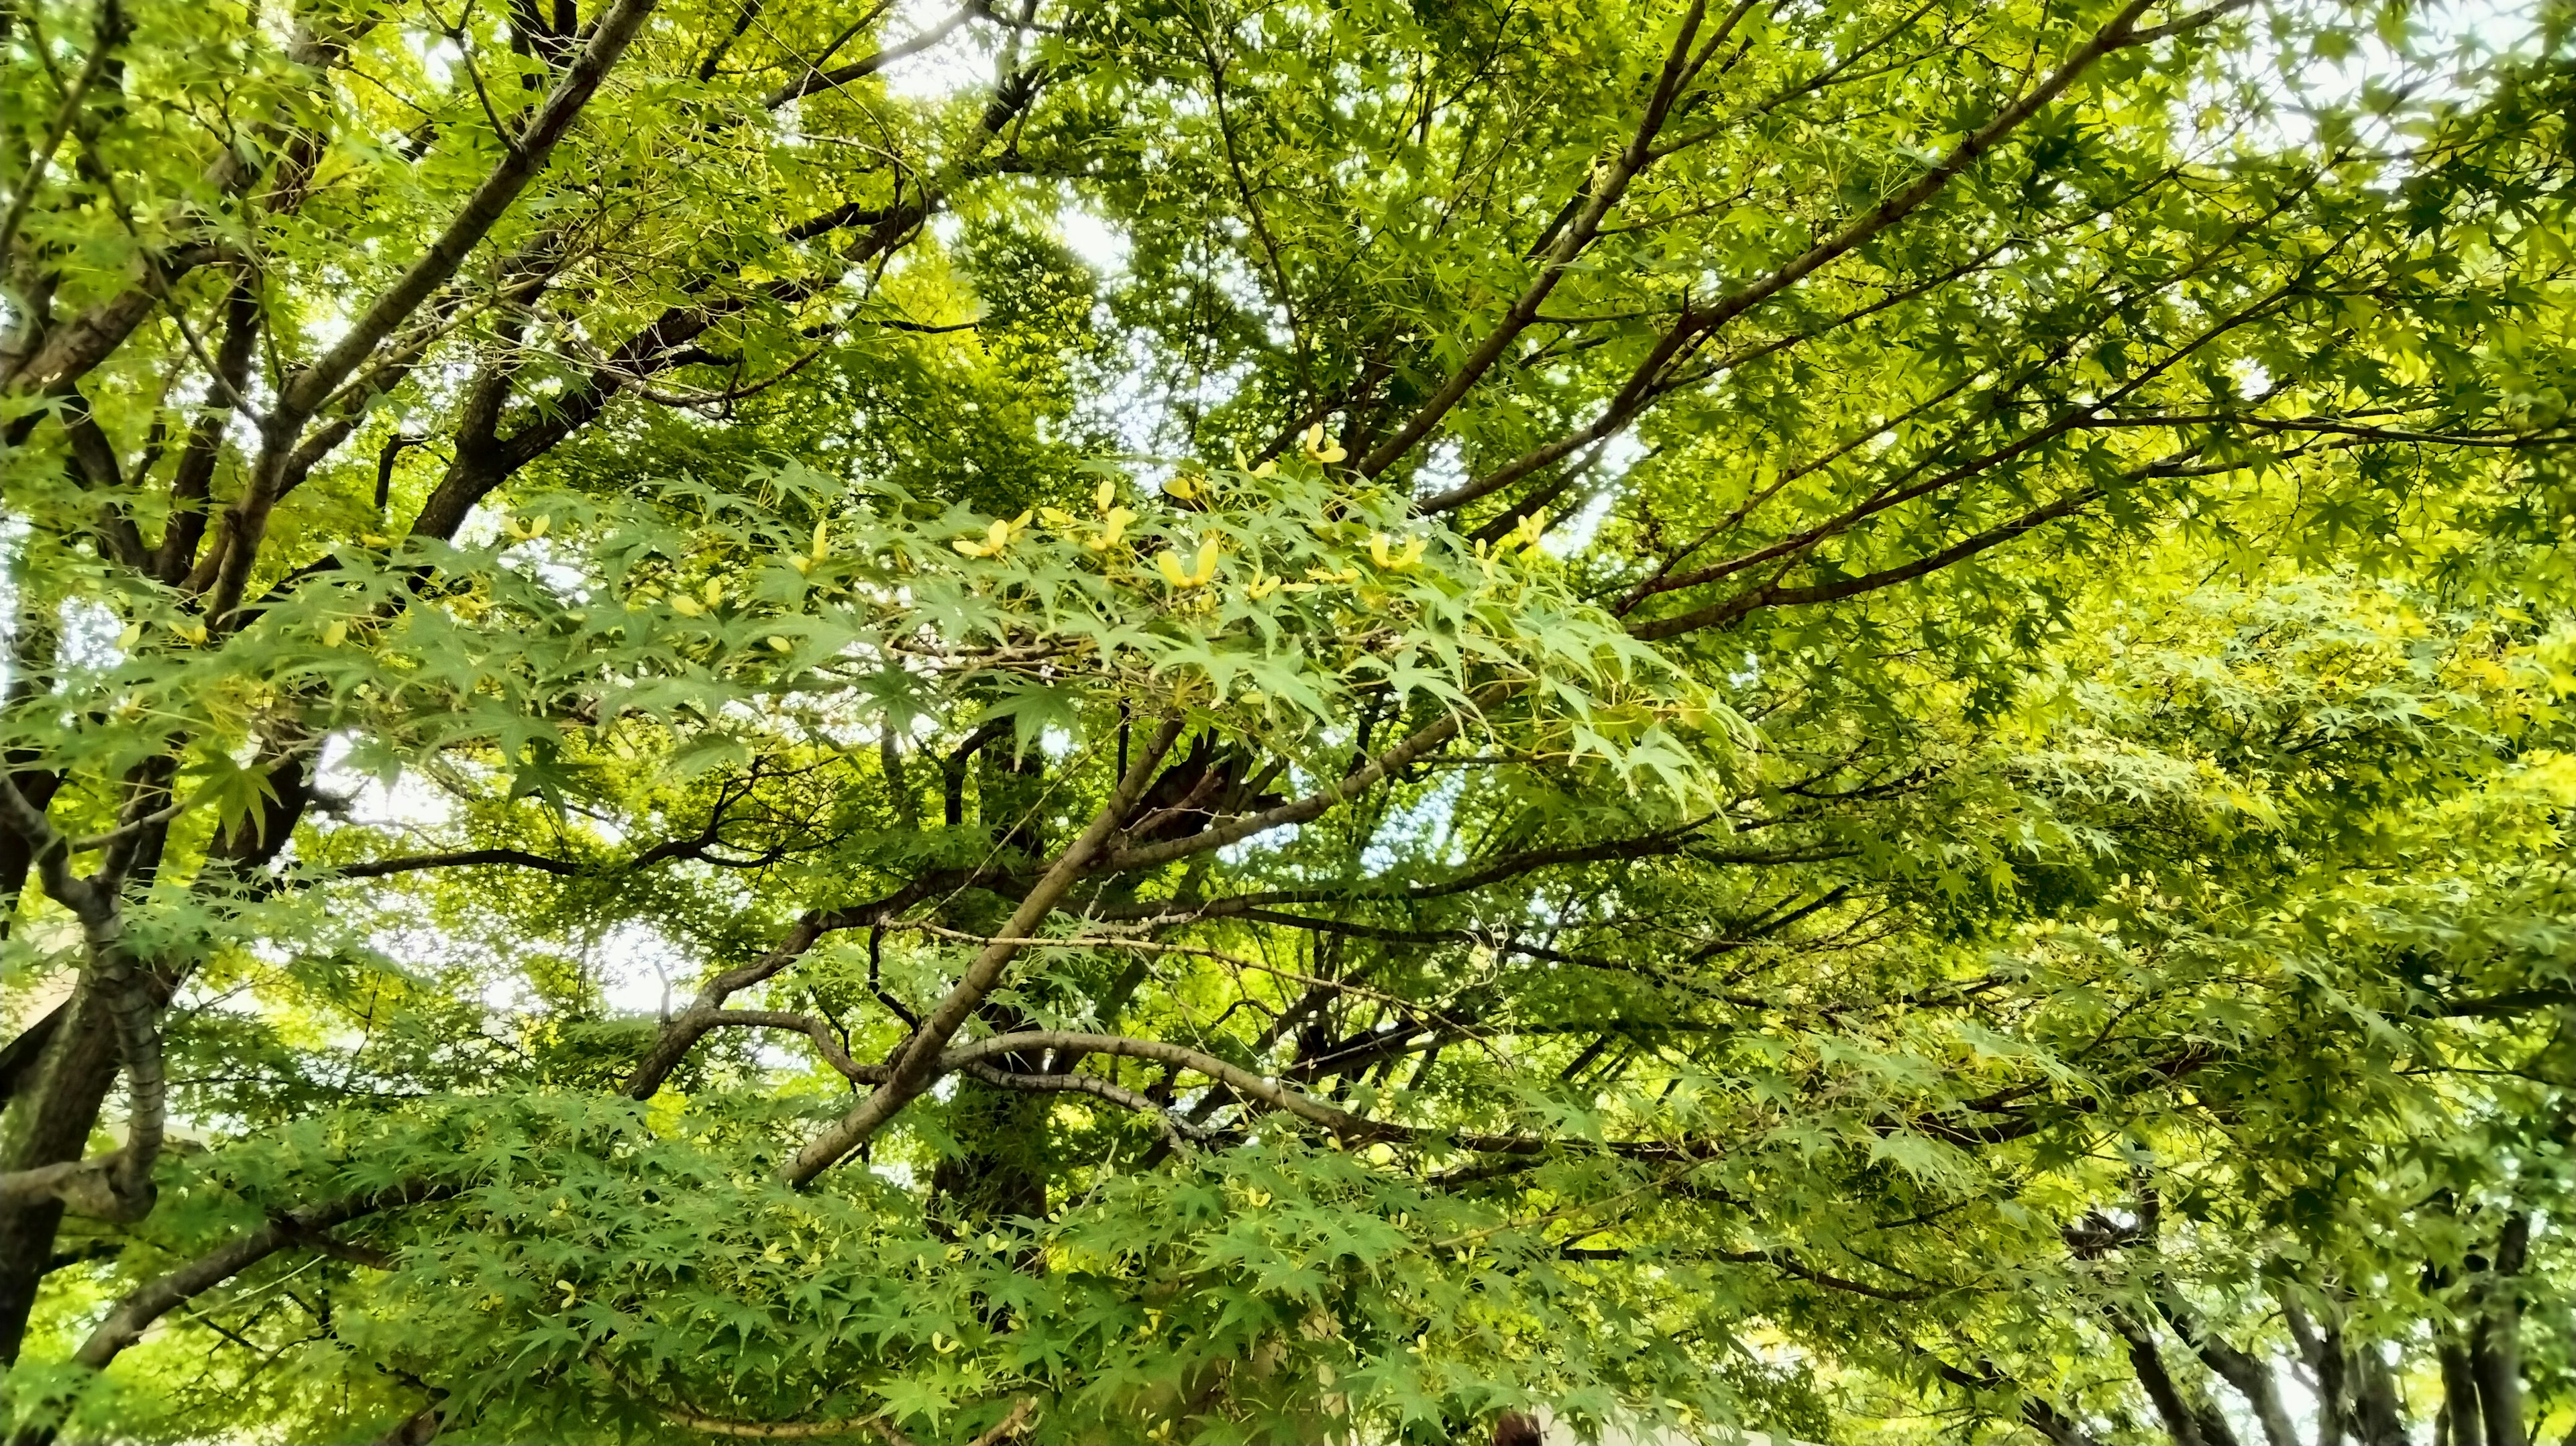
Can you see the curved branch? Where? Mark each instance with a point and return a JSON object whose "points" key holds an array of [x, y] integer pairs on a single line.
{"points": [[610, 34], [2119, 34], [136, 1313], [813, 80], [1011, 1424], [1180, 1133], [1600, 192], [1183, 911], [1242, 1081], [917, 1063], [1788, 1263], [458, 859], [111, 31], [825, 1042], [1771, 595], [1313, 805]]}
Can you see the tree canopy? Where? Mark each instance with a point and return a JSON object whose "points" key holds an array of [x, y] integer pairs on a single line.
{"points": [[1254, 722]]}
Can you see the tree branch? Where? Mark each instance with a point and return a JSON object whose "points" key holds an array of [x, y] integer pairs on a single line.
{"points": [[1608, 182], [610, 35], [136, 1312], [916, 1064], [813, 80]]}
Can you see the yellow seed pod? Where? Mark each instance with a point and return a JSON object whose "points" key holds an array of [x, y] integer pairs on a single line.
{"points": [[1113, 525]]}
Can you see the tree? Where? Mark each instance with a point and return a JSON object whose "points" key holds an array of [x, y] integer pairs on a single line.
{"points": [[2014, 828]]}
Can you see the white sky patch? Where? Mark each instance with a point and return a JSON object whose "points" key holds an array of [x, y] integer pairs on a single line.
{"points": [[1097, 244], [13, 540], [960, 60], [1425, 829], [2457, 40], [1443, 467], [437, 54], [1618, 454], [409, 802], [1237, 853], [640, 971], [481, 527], [88, 638], [86, 630]]}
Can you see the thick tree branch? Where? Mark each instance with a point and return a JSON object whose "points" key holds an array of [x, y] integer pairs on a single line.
{"points": [[1609, 181], [134, 1314], [813, 80], [615, 29], [1772, 595], [1178, 1132], [917, 1063]]}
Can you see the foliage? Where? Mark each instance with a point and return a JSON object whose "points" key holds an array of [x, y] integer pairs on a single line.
{"points": [[1847, 720]]}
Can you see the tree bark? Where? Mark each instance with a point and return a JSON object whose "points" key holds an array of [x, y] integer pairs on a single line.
{"points": [[1000, 1168], [2250, 1377], [51, 1115], [2323, 1353], [15, 858], [20, 1056], [2332, 1412], [418, 1429], [2377, 1419], [46, 1125], [2185, 1424], [2460, 1396], [2495, 1345], [915, 1065]]}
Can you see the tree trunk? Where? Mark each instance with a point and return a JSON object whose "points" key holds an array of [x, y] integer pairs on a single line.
{"points": [[2495, 1346], [2377, 1419], [2460, 1396], [37, 787], [48, 1123], [2325, 1359], [20, 1056], [2185, 1425], [1000, 1170], [2250, 1377]]}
